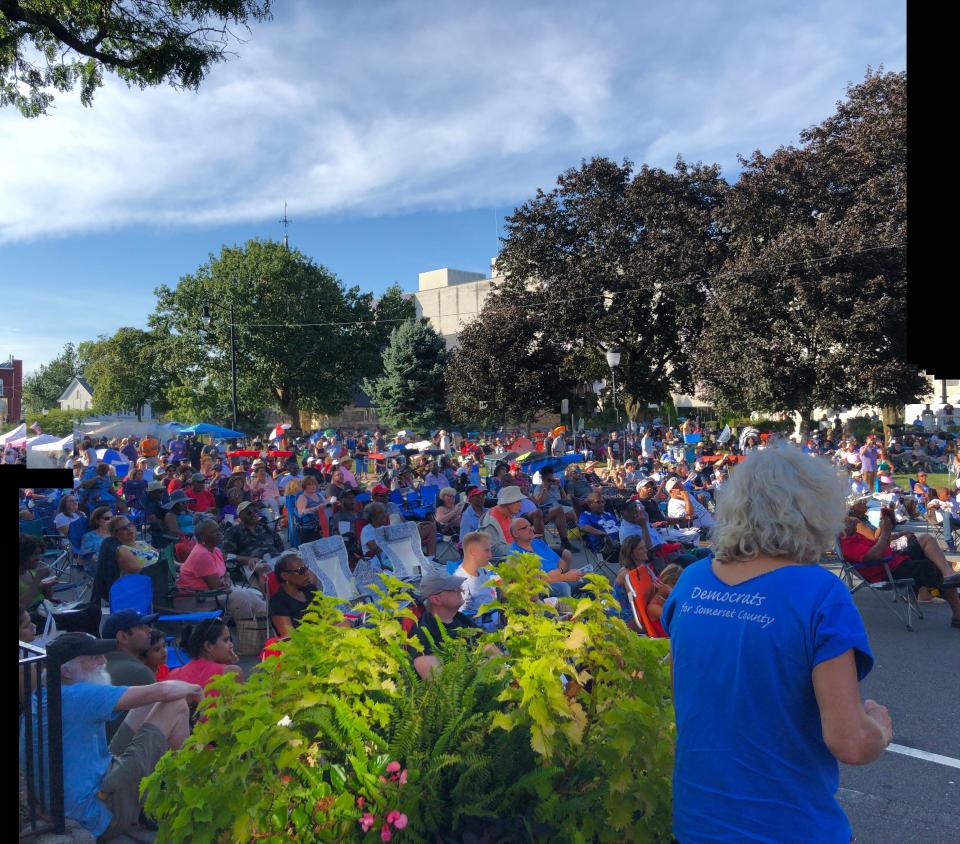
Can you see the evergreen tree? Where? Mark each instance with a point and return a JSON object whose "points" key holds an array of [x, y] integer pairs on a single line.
{"points": [[411, 391]]}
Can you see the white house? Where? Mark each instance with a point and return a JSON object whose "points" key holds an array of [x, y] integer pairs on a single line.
{"points": [[79, 396]]}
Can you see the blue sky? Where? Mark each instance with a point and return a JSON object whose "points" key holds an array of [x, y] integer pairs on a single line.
{"points": [[400, 134]]}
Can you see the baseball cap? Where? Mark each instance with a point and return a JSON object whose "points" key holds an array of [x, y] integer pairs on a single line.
{"points": [[644, 481], [155, 486], [69, 646], [124, 620], [434, 583], [671, 484], [379, 489], [510, 495], [197, 477], [476, 490]]}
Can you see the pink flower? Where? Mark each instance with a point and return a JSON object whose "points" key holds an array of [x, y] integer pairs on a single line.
{"points": [[366, 821], [392, 816], [385, 833], [403, 777], [382, 778], [400, 822], [361, 802], [393, 767]]}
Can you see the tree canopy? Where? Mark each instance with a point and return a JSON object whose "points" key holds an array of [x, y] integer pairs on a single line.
{"points": [[304, 342], [126, 372], [611, 257], [48, 45], [810, 309], [411, 390], [43, 388]]}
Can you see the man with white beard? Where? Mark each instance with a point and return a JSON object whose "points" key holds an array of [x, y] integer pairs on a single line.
{"points": [[101, 783]]}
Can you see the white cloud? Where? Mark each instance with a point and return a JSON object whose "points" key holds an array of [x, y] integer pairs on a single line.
{"points": [[394, 106]]}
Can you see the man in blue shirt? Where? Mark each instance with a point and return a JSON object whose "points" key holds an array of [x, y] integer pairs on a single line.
{"points": [[561, 577], [101, 782], [473, 513], [596, 524]]}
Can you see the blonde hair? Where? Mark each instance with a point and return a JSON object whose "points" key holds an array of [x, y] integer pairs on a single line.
{"points": [[782, 503], [670, 574], [474, 537], [293, 487]]}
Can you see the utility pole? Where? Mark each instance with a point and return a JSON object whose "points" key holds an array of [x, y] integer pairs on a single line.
{"points": [[285, 221]]}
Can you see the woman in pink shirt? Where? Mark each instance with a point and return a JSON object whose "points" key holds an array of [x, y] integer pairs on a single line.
{"points": [[210, 648]]}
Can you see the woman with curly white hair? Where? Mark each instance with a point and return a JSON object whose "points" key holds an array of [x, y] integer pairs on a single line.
{"points": [[767, 651]]}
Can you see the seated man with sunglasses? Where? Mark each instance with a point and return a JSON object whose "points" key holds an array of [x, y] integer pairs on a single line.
{"points": [[298, 585]]}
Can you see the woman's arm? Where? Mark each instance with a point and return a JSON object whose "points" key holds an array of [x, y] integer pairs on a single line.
{"points": [[856, 733], [127, 561], [282, 624]]}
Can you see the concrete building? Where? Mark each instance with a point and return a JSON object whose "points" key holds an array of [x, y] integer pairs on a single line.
{"points": [[449, 298], [11, 389]]}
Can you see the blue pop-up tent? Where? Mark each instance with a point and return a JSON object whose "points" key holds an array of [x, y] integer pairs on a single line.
{"points": [[205, 429], [536, 464]]}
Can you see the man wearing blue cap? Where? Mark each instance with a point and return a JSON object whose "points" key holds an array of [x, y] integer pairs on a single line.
{"points": [[125, 666]]}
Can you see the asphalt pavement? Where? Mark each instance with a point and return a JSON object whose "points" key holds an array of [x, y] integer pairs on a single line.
{"points": [[916, 675]]}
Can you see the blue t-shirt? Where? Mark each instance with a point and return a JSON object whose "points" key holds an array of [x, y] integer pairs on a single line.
{"points": [[751, 763], [601, 521], [549, 559], [87, 708]]}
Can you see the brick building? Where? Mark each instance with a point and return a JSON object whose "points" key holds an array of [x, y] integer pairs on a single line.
{"points": [[11, 389]]}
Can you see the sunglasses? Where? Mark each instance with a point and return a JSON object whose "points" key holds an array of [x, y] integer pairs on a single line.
{"points": [[301, 570]]}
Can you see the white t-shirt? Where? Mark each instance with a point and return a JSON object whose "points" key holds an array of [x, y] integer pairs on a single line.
{"points": [[646, 446], [367, 536], [63, 520], [475, 593], [677, 509]]}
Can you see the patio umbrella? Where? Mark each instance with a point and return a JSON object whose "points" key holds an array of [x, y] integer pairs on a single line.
{"points": [[212, 430], [329, 432], [560, 429], [278, 431]]}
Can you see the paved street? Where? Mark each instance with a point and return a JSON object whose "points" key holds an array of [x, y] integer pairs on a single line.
{"points": [[917, 676]]}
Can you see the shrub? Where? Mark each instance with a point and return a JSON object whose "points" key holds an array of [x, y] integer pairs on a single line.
{"points": [[546, 730]]}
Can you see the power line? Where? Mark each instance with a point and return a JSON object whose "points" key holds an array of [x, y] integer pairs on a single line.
{"points": [[611, 295]]}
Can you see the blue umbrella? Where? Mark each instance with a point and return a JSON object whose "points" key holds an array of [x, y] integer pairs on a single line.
{"points": [[212, 430]]}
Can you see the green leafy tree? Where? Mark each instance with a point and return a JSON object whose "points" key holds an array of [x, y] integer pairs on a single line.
{"points": [[48, 45], [43, 388], [57, 422], [411, 391], [616, 257], [302, 339], [126, 372], [810, 309]]}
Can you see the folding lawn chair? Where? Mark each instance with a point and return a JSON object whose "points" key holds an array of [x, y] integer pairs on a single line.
{"points": [[638, 583], [403, 552], [328, 560], [606, 559], [902, 588]]}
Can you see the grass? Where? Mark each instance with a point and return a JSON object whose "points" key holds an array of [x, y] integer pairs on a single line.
{"points": [[934, 480]]}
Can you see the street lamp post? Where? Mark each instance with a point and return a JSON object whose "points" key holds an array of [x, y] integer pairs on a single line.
{"points": [[207, 321], [613, 361]]}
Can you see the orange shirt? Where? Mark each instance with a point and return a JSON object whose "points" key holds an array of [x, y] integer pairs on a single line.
{"points": [[503, 519]]}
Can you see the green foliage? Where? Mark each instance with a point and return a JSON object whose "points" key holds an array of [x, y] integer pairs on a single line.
{"points": [[410, 392], [43, 388], [143, 43], [126, 371], [341, 725], [307, 367], [57, 422], [765, 426]]}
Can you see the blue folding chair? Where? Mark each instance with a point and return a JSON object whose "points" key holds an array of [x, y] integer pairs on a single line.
{"points": [[75, 534], [293, 521], [136, 592]]}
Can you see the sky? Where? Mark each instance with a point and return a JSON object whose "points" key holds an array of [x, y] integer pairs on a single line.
{"points": [[399, 134]]}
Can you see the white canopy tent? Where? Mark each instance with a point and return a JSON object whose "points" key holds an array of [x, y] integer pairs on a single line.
{"points": [[56, 445], [17, 433]]}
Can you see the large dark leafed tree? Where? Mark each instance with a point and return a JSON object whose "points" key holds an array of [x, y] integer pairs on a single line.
{"points": [[613, 257], [280, 361], [411, 390], [810, 309], [504, 368], [53, 45]]}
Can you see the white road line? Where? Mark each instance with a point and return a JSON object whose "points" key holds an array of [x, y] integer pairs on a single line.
{"points": [[922, 754]]}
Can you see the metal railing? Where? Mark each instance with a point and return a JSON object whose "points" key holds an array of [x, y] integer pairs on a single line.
{"points": [[42, 741]]}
